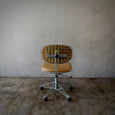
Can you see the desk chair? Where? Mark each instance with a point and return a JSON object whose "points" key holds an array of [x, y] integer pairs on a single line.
{"points": [[56, 58]]}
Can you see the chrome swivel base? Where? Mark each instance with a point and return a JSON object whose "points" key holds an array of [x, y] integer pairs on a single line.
{"points": [[56, 86]]}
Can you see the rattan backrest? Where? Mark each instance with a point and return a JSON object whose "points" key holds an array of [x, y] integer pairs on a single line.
{"points": [[62, 49]]}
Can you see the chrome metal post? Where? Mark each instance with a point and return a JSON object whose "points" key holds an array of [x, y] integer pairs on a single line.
{"points": [[56, 69], [56, 81]]}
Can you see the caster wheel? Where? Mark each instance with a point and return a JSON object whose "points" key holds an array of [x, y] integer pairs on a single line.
{"points": [[69, 99], [41, 88], [45, 98], [70, 76], [71, 88]]}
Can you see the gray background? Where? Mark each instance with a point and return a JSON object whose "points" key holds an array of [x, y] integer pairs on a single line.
{"points": [[88, 26]]}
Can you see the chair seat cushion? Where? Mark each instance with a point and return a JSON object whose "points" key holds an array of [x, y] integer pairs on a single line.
{"points": [[66, 67]]}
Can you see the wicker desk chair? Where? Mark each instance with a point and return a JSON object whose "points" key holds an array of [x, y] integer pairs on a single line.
{"points": [[56, 58]]}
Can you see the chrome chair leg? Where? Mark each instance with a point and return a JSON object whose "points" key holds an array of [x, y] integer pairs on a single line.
{"points": [[65, 76]]}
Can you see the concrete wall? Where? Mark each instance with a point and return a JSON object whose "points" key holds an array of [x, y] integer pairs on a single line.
{"points": [[86, 25]]}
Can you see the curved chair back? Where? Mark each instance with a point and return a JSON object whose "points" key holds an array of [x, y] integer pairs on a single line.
{"points": [[64, 53]]}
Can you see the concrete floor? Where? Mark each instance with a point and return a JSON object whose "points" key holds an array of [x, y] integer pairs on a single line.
{"points": [[21, 96]]}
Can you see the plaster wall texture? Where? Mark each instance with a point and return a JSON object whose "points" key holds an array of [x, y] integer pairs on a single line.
{"points": [[88, 26]]}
